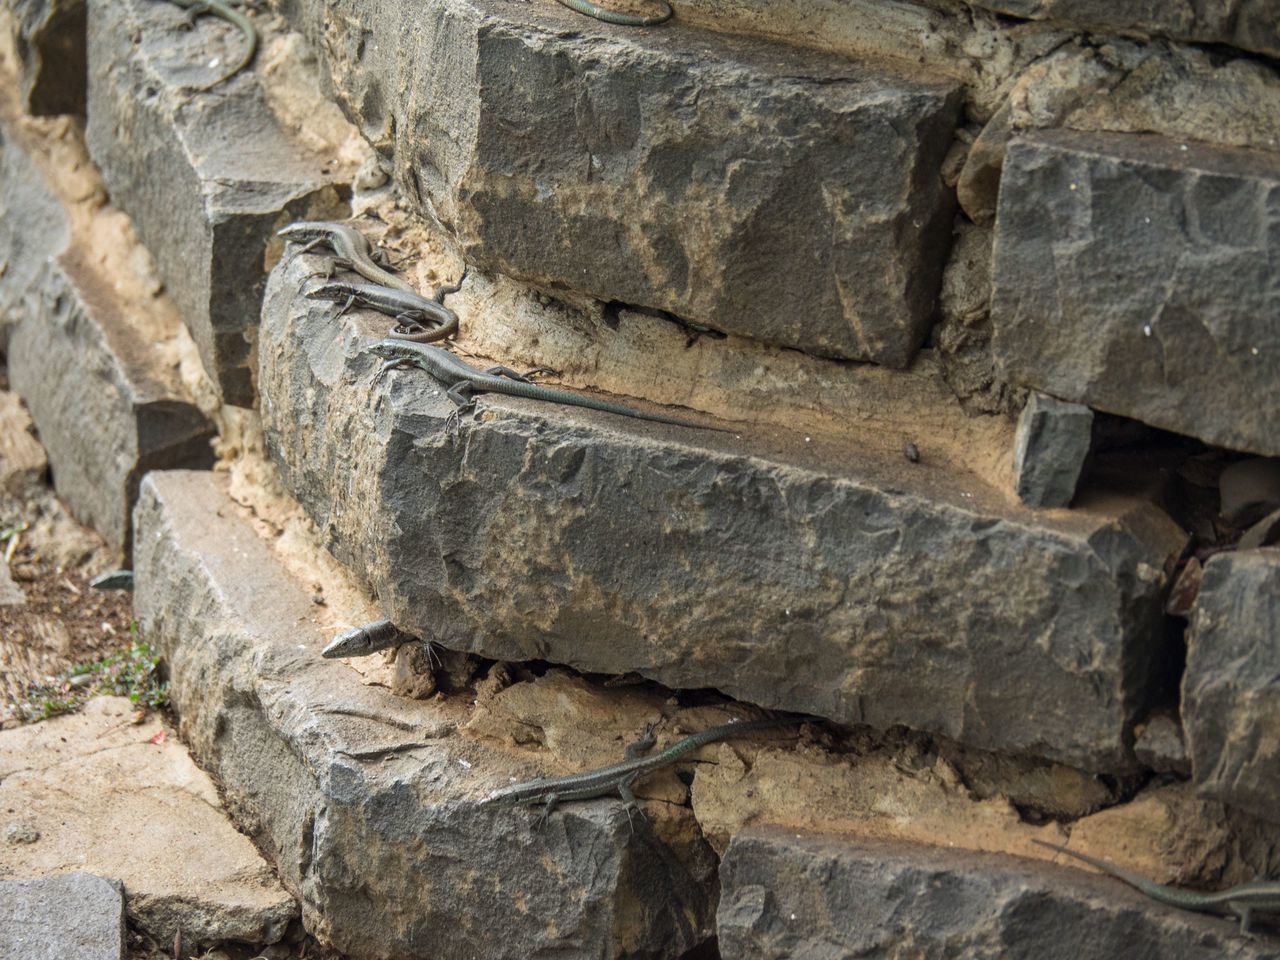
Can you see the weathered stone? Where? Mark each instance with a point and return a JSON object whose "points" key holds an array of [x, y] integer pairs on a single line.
{"points": [[1051, 449], [207, 177], [1104, 295], [1264, 533], [1159, 744], [785, 894], [77, 916], [1124, 86], [51, 48], [25, 198], [1231, 689], [1249, 24], [128, 413], [787, 195], [365, 800], [798, 579], [1249, 489], [22, 459], [140, 810]]}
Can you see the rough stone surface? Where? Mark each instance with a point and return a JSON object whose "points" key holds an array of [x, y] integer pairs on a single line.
{"points": [[679, 170], [1123, 86], [1160, 745], [1249, 24], [25, 198], [51, 48], [794, 895], [140, 810], [128, 413], [207, 177], [364, 800], [1231, 689], [781, 573], [1050, 450], [1141, 277], [77, 916]]}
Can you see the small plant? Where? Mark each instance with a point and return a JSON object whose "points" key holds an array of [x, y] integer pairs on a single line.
{"points": [[131, 672]]}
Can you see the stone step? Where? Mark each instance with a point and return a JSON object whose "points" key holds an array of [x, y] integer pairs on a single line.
{"points": [[209, 176], [786, 195], [789, 894], [367, 801], [90, 348], [817, 577]]}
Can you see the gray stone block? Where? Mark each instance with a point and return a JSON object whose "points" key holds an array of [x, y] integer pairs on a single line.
{"points": [[207, 177], [1248, 24], [1050, 451], [51, 50], [1138, 275], [1231, 688], [88, 363], [787, 895], [783, 194], [25, 199], [798, 580], [367, 801], [77, 916]]}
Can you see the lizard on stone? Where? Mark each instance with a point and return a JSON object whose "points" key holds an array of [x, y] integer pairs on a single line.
{"points": [[622, 19], [352, 249], [462, 380], [234, 17], [1243, 900], [406, 307], [620, 776]]}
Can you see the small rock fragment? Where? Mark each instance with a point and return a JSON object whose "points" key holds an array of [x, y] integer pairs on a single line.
{"points": [[1052, 444]]}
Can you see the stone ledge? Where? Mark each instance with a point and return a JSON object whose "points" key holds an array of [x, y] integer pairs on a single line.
{"points": [[785, 195], [785, 895], [207, 177], [366, 801], [75, 915], [128, 413], [1249, 24], [790, 574], [1137, 275]]}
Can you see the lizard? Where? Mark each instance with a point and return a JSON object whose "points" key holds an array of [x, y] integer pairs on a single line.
{"points": [[362, 641], [622, 19], [352, 249], [462, 380], [234, 17], [620, 776], [1242, 900], [114, 580], [404, 306]]}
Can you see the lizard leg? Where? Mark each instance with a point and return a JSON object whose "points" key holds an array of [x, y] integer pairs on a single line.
{"points": [[552, 800], [633, 805], [388, 365], [1244, 911], [513, 375], [643, 745]]}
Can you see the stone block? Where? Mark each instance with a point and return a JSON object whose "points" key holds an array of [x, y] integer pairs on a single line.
{"points": [[780, 193], [1138, 275], [366, 801], [1050, 450], [1249, 24], [76, 915], [51, 50], [1231, 688], [25, 198], [207, 177], [128, 411], [785, 894], [803, 579]]}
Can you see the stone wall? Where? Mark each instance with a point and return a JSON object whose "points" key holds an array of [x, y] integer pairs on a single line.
{"points": [[982, 301]]}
